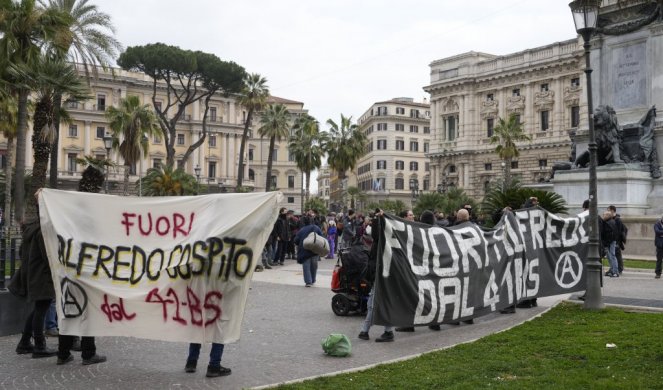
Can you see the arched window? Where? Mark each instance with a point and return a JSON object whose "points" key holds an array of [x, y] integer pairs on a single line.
{"points": [[252, 175]]}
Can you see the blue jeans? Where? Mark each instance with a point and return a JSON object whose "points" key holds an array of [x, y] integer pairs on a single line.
{"points": [[368, 321], [215, 354], [51, 320], [612, 258], [310, 267]]}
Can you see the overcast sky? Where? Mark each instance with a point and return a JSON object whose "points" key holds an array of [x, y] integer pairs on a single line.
{"points": [[341, 56]]}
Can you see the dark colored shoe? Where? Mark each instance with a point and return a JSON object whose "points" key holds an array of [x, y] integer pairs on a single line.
{"points": [[94, 360], [23, 348], [363, 335], [657, 277], [582, 298], [190, 366], [213, 372], [66, 360], [525, 304], [509, 310], [76, 346], [308, 284], [267, 266], [455, 323], [434, 327], [405, 329], [281, 263], [534, 303], [41, 350], [385, 337], [469, 322], [259, 268]]}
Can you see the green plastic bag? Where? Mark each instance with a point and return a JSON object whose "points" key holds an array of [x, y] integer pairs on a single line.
{"points": [[336, 344]]}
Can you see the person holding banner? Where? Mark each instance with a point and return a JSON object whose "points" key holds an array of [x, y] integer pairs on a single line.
{"points": [[214, 368]]}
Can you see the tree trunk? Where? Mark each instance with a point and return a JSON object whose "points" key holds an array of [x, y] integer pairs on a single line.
{"points": [[507, 173], [308, 184], [21, 131], [125, 192], [41, 151], [53, 178], [7, 215], [242, 146], [268, 179]]}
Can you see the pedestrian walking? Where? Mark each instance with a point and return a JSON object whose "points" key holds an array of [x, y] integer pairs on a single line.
{"points": [[306, 258], [608, 232], [214, 368], [658, 241], [331, 237]]}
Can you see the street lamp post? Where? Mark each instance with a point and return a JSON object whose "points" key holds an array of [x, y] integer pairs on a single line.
{"points": [[442, 187], [585, 15], [196, 170], [414, 187], [108, 144]]}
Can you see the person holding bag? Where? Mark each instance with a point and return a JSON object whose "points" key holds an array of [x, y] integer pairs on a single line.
{"points": [[308, 260]]}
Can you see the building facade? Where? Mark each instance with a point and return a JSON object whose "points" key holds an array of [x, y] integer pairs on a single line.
{"points": [[469, 92], [216, 159], [324, 183], [395, 166]]}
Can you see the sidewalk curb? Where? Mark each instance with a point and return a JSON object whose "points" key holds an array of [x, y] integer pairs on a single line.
{"points": [[632, 308], [400, 359]]}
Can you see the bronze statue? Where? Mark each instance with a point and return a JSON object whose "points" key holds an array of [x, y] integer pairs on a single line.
{"points": [[606, 128]]}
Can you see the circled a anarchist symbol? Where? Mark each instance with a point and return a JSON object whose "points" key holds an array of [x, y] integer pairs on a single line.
{"points": [[74, 298], [568, 270]]}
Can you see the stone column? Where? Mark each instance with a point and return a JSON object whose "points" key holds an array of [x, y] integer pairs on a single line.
{"points": [[196, 116], [87, 141], [558, 106]]}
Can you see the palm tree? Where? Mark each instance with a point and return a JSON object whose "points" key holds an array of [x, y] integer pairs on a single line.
{"points": [[307, 147], [275, 123], [93, 176], [253, 98], [24, 30], [346, 145], [92, 44], [505, 135], [8, 120], [135, 124], [355, 194], [48, 78], [164, 181]]}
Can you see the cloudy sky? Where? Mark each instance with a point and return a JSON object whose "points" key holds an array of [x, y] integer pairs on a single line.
{"points": [[341, 56]]}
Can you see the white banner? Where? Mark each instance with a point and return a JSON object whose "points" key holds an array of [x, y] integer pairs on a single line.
{"points": [[164, 268]]}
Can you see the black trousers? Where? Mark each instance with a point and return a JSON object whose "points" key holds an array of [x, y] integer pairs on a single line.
{"points": [[620, 259], [659, 260], [65, 342], [34, 324]]}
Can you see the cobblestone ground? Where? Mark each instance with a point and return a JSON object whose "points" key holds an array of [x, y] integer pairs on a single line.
{"points": [[283, 326]]}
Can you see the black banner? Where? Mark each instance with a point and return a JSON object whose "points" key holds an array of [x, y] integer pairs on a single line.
{"points": [[430, 275]]}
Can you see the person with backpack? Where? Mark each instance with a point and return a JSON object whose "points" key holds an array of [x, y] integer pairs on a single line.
{"points": [[608, 232]]}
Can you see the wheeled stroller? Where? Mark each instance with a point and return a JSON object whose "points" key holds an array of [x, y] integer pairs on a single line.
{"points": [[351, 285]]}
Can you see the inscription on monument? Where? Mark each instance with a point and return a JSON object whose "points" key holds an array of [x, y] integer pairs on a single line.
{"points": [[629, 76]]}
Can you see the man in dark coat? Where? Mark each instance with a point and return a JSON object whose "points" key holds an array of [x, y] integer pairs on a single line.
{"points": [[282, 230], [34, 282], [306, 258], [658, 242]]}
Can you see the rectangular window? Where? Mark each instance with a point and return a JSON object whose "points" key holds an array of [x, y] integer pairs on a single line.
{"points": [[490, 125], [575, 116], [543, 163], [275, 155], [181, 164], [382, 164], [426, 167], [451, 128], [426, 147], [426, 184], [514, 164], [212, 114], [382, 144], [71, 162], [544, 120], [414, 113], [414, 146], [400, 110], [414, 166], [72, 104], [517, 118], [291, 199], [291, 181], [101, 132], [400, 144], [382, 110], [575, 82], [274, 182], [488, 166], [515, 92], [544, 87], [400, 165], [212, 141], [291, 157], [399, 183], [414, 129], [490, 97], [156, 162], [180, 139], [157, 106], [370, 146], [426, 129], [211, 169], [101, 102], [73, 130], [400, 127], [382, 126]]}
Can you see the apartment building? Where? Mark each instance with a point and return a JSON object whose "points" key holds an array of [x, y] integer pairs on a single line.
{"points": [[471, 91], [216, 160], [395, 166]]}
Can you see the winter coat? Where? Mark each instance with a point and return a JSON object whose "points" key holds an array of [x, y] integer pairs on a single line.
{"points": [[34, 279], [608, 231], [282, 228], [658, 230], [303, 254]]}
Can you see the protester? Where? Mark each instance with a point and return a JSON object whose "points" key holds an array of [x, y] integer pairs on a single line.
{"points": [[532, 201], [462, 216], [388, 334], [51, 321], [658, 242], [585, 207], [407, 214], [33, 281], [622, 233], [214, 368], [349, 229], [293, 226], [608, 232], [331, 237], [281, 228], [306, 258]]}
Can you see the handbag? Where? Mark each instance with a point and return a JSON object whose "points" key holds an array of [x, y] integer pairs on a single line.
{"points": [[316, 244]]}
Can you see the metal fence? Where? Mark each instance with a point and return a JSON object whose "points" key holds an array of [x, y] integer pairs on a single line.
{"points": [[10, 259]]}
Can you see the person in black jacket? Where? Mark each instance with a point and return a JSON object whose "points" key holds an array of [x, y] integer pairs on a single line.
{"points": [[621, 234], [608, 232], [282, 230]]}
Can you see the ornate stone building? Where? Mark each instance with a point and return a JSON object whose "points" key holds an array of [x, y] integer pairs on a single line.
{"points": [[217, 158], [395, 165], [471, 91]]}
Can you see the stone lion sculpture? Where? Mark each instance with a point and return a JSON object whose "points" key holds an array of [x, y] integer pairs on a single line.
{"points": [[606, 128]]}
